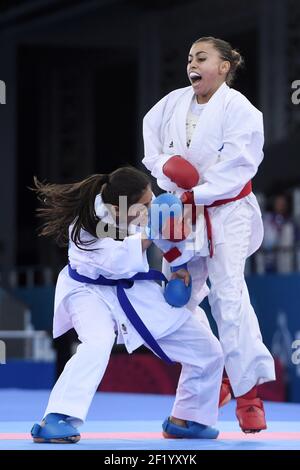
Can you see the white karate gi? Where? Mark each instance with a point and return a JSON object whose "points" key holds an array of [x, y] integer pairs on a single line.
{"points": [[95, 313], [226, 148]]}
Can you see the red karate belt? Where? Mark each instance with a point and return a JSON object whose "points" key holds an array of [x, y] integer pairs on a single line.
{"points": [[245, 192]]}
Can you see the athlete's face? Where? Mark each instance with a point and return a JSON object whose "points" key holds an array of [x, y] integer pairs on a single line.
{"points": [[137, 212], [140, 209], [206, 70]]}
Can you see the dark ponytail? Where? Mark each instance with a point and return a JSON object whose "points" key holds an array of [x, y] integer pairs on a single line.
{"points": [[66, 204]]}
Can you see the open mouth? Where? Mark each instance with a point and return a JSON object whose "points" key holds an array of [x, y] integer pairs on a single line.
{"points": [[195, 77]]}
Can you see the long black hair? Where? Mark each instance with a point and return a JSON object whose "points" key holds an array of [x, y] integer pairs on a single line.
{"points": [[74, 203]]}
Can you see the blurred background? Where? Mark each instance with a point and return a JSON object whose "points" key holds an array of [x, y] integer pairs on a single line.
{"points": [[77, 78]]}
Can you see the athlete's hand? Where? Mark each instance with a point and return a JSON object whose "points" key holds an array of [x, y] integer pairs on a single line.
{"points": [[182, 274]]}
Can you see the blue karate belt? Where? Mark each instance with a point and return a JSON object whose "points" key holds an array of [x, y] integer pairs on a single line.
{"points": [[131, 314]]}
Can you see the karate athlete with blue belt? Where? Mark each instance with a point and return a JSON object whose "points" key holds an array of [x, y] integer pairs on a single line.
{"points": [[108, 290]]}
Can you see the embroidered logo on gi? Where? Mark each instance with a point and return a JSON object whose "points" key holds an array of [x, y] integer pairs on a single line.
{"points": [[171, 144], [124, 329]]}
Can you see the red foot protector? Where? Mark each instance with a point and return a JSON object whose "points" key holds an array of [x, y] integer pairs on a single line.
{"points": [[250, 414], [225, 392]]}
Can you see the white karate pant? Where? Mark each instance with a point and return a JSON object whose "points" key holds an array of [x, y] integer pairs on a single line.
{"points": [[247, 360], [193, 345]]}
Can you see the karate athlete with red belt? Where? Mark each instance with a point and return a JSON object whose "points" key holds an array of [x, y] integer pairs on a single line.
{"points": [[205, 142]]}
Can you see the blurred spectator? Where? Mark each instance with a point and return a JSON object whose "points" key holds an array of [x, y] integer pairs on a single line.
{"points": [[278, 247], [296, 214]]}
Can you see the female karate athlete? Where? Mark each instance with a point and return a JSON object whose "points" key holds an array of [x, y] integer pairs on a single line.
{"points": [[105, 291], [205, 142]]}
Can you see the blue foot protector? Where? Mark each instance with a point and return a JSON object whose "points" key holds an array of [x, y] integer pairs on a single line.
{"points": [[192, 431], [55, 429]]}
